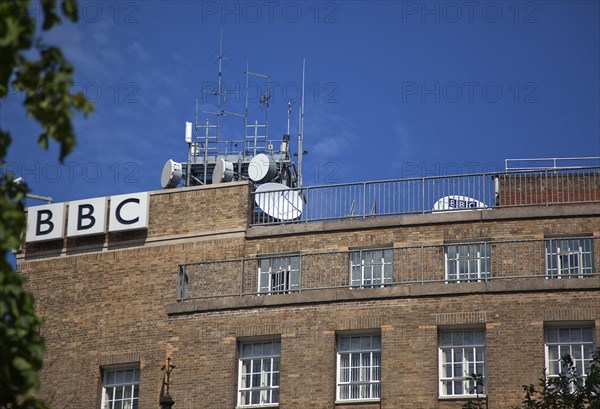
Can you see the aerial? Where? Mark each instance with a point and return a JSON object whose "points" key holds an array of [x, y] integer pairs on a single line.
{"points": [[392, 89]]}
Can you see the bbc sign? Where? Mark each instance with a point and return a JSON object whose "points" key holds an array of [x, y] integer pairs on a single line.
{"points": [[462, 204], [88, 217]]}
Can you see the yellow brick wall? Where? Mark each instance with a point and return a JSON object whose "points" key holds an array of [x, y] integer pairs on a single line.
{"points": [[104, 301]]}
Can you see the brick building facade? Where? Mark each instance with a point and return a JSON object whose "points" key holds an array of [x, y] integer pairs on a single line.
{"points": [[363, 313]]}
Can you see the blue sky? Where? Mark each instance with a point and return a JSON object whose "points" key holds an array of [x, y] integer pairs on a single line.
{"points": [[394, 89]]}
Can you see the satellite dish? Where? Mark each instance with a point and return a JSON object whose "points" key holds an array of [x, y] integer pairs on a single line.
{"points": [[456, 202], [262, 168], [171, 174], [279, 201], [223, 171]]}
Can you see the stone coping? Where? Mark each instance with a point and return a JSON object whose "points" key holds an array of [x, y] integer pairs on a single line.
{"points": [[399, 291], [359, 223]]}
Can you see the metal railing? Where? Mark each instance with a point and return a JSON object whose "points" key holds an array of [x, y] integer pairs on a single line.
{"points": [[550, 163], [451, 263], [428, 195]]}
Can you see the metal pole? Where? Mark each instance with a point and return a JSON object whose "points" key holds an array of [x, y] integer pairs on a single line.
{"points": [[246, 113], [206, 148], [242, 278], [301, 128], [38, 197], [423, 196]]}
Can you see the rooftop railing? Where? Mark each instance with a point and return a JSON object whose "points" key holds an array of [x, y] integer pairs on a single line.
{"points": [[428, 195], [550, 163], [451, 263]]}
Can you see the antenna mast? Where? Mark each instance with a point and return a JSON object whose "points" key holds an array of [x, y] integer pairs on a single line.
{"points": [[289, 113], [213, 158], [301, 128], [219, 111]]}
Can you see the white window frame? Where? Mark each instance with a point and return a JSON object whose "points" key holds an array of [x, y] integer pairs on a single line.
{"points": [[268, 373], [569, 257], [120, 384], [368, 370], [370, 268], [477, 261], [459, 361], [569, 339], [279, 275]]}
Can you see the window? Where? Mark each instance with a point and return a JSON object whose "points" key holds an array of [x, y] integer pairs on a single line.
{"points": [[279, 274], [468, 262], [370, 268], [461, 354], [259, 373], [359, 367], [120, 387], [578, 342], [566, 258]]}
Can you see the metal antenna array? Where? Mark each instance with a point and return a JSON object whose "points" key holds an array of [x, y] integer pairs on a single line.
{"points": [[252, 156], [265, 100], [301, 129]]}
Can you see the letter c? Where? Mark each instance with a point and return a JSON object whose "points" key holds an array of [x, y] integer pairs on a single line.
{"points": [[118, 211]]}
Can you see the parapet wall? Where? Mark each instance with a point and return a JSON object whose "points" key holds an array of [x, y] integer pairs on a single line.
{"points": [[518, 189], [174, 214]]}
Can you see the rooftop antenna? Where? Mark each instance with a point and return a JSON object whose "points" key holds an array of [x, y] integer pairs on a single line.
{"points": [[301, 128], [264, 99], [289, 113], [211, 145], [246, 113], [215, 158], [219, 113]]}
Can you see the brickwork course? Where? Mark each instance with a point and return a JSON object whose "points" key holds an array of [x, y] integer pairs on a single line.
{"points": [[113, 299]]}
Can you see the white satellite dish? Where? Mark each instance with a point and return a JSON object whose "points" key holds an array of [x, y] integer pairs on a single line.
{"points": [[171, 174], [223, 171], [457, 202], [262, 168], [279, 201]]}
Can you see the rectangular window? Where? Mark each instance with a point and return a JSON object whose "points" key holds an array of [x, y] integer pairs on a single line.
{"points": [[461, 355], [259, 373], [567, 258], [359, 367], [120, 387], [370, 268], [279, 275], [468, 262], [578, 342]]}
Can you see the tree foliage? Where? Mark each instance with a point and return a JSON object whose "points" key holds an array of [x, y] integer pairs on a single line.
{"points": [[45, 78], [568, 390]]}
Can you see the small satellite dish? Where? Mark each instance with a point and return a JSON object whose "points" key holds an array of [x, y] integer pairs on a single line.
{"points": [[171, 174], [262, 168], [223, 171], [456, 202], [279, 201]]}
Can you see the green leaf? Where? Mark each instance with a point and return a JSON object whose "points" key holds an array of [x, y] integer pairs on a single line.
{"points": [[46, 84], [50, 14], [69, 9]]}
